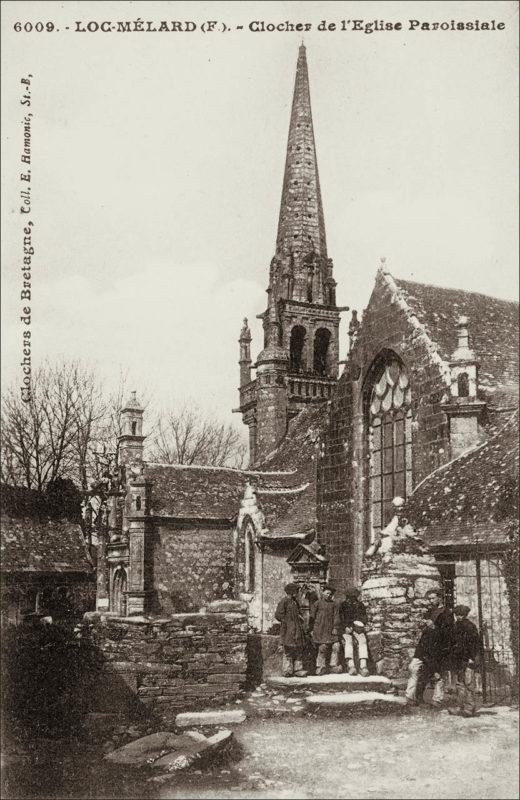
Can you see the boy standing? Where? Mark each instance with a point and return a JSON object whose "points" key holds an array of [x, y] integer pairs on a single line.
{"points": [[466, 649], [291, 632], [355, 620], [325, 624], [425, 664]]}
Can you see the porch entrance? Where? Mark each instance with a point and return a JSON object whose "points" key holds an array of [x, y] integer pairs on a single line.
{"points": [[476, 578]]}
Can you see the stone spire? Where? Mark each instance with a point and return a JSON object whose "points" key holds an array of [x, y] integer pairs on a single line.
{"points": [[301, 226], [298, 364]]}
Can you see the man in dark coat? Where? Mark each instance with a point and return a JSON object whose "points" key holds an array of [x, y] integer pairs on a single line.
{"points": [[465, 653], [424, 665], [291, 632], [355, 619], [325, 624], [444, 622]]}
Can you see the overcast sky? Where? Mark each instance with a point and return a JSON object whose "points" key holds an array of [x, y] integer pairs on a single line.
{"points": [[157, 165]]}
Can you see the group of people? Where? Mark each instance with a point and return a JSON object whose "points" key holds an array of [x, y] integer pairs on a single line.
{"points": [[335, 629], [449, 642], [337, 632]]}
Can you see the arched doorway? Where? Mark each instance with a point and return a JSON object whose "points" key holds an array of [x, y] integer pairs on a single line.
{"points": [[119, 591]]}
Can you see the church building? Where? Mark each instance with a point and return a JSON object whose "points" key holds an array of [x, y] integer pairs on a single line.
{"points": [[415, 441]]}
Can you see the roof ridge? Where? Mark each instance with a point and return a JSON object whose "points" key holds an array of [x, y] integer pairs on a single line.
{"points": [[209, 467], [451, 289], [431, 345], [283, 490]]}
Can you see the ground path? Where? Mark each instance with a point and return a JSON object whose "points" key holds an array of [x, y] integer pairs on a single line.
{"points": [[284, 752], [426, 754]]}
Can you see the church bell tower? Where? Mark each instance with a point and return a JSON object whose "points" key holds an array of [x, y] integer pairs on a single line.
{"points": [[298, 364]]}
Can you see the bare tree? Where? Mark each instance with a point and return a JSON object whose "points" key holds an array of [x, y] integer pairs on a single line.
{"points": [[185, 436], [50, 436]]}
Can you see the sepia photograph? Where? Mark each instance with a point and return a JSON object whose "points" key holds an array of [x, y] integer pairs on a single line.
{"points": [[259, 400]]}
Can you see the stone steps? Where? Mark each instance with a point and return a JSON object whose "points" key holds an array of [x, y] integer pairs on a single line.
{"points": [[356, 701], [340, 684]]}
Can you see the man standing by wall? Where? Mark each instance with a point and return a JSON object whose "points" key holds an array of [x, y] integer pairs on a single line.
{"points": [[291, 632], [466, 648], [443, 620]]}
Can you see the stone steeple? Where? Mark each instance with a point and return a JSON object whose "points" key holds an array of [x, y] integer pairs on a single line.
{"points": [[301, 270], [298, 364], [301, 226]]}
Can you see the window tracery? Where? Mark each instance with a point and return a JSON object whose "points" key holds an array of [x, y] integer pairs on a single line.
{"points": [[390, 441]]}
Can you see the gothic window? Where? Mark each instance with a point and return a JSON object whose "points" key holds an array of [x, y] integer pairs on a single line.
{"points": [[134, 428], [296, 349], [138, 503], [249, 555], [321, 351], [390, 441]]}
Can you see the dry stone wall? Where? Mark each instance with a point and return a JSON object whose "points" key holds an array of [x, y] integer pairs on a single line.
{"points": [[185, 662], [394, 589]]}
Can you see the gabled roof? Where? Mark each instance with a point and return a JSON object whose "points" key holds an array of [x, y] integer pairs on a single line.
{"points": [[37, 537], [493, 327], [285, 483], [473, 497]]}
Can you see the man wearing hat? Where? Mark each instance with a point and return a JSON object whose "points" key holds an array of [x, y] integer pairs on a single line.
{"points": [[425, 665], [325, 623], [466, 650], [355, 620], [292, 634]]}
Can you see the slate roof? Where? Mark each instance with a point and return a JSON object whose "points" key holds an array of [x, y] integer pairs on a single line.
{"points": [[284, 483], [493, 328], [295, 516], [474, 496], [202, 492], [298, 450], [36, 537]]}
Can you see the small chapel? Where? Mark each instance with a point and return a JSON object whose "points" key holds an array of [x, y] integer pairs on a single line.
{"points": [[397, 473]]}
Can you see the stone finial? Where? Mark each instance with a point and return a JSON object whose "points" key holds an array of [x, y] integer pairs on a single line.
{"points": [[245, 333], [463, 352], [133, 403], [353, 328]]}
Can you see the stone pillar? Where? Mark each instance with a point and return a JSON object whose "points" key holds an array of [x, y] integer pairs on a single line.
{"points": [[102, 578], [394, 584], [245, 354], [138, 589]]}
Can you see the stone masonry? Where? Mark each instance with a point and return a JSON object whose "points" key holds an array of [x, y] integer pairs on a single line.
{"points": [[187, 661], [394, 589], [200, 557]]}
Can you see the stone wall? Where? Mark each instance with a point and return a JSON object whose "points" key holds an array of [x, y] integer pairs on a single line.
{"points": [[192, 565], [163, 666], [343, 509], [394, 589]]}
